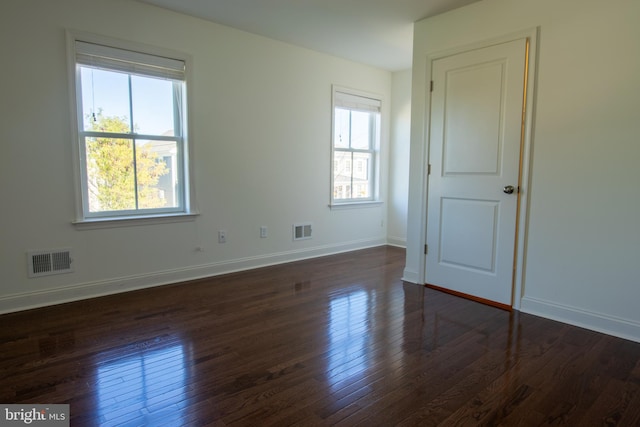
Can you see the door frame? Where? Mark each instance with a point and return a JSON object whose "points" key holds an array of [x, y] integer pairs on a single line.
{"points": [[532, 35]]}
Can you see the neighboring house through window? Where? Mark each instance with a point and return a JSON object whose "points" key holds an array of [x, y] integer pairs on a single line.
{"points": [[355, 147], [130, 105]]}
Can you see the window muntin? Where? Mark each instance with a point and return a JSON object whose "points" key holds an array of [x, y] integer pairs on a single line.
{"points": [[131, 131], [356, 131]]}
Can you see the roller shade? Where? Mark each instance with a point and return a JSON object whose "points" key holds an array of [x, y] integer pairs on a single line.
{"points": [[128, 61], [355, 102]]}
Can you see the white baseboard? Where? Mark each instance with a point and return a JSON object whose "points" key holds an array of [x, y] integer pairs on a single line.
{"points": [[25, 301], [397, 241], [410, 276], [607, 324]]}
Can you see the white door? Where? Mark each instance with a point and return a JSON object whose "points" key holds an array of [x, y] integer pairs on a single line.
{"points": [[474, 156]]}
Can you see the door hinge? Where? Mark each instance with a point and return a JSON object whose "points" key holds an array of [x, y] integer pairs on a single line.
{"points": [[426, 249], [429, 169], [431, 86]]}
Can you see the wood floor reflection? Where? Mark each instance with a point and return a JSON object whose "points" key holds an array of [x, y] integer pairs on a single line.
{"points": [[338, 340]]}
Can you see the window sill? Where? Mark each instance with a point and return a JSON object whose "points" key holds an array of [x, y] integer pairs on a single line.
{"points": [[125, 221], [355, 205]]}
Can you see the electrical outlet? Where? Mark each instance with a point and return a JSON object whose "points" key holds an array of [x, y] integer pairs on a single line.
{"points": [[263, 232], [222, 236]]}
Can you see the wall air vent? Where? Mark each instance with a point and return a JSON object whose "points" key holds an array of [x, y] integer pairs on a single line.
{"points": [[45, 263], [302, 231]]}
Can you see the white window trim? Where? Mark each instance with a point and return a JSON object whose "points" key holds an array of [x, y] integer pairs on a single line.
{"points": [[112, 222], [376, 101], [356, 205], [90, 222]]}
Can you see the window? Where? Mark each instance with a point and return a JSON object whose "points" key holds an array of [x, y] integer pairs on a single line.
{"points": [[356, 136], [131, 126]]}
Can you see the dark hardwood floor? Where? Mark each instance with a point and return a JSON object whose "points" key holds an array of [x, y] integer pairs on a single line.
{"points": [[338, 340]]}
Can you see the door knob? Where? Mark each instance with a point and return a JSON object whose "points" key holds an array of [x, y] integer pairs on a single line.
{"points": [[508, 189]]}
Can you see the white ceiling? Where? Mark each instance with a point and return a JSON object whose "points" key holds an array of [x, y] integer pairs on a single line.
{"points": [[374, 32]]}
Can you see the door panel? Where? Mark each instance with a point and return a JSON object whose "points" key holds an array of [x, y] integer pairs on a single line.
{"points": [[476, 117], [456, 231], [472, 138]]}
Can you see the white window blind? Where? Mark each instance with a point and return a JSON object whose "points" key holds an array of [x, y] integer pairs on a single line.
{"points": [[128, 61], [354, 102]]}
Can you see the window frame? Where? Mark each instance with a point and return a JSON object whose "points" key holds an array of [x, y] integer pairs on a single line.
{"points": [[357, 100], [184, 142]]}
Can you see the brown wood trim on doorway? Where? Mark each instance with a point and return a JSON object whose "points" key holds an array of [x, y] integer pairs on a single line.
{"points": [[470, 297]]}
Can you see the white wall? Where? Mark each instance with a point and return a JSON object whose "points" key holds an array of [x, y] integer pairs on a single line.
{"points": [[261, 115], [399, 157], [582, 263]]}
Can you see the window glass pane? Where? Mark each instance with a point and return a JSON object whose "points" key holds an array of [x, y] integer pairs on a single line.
{"points": [[104, 93], [110, 174], [341, 128], [360, 130], [362, 175], [342, 175], [153, 106], [156, 165]]}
